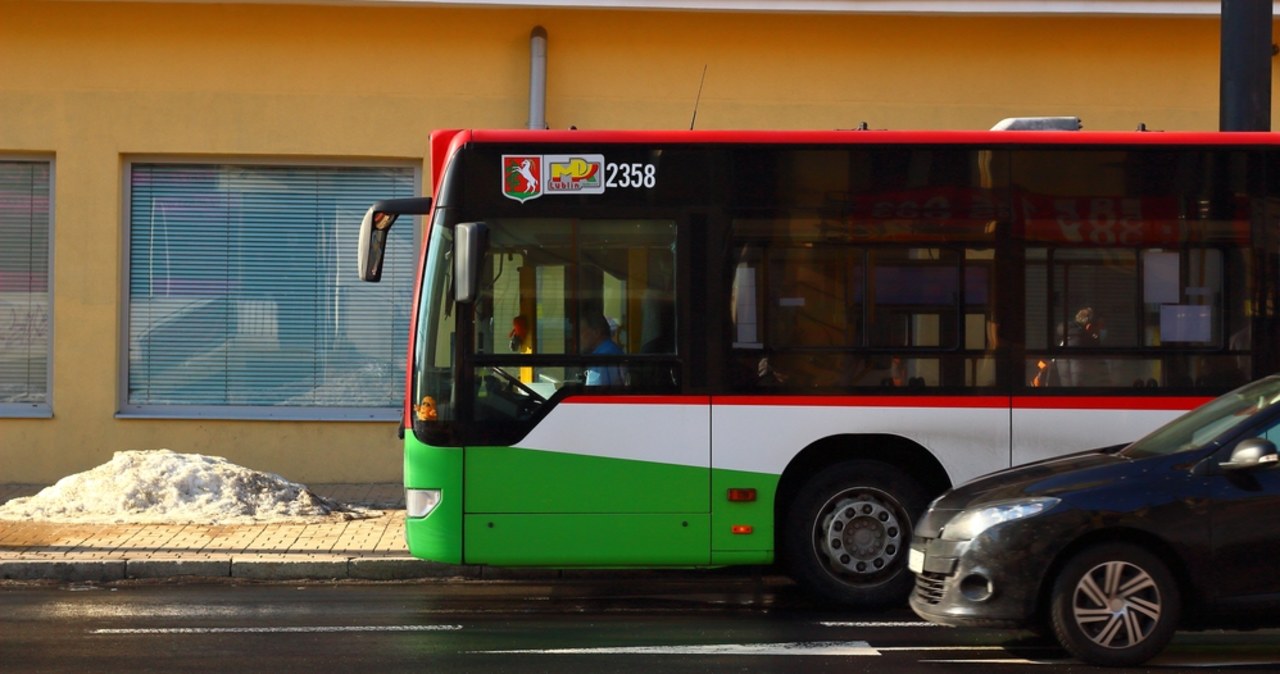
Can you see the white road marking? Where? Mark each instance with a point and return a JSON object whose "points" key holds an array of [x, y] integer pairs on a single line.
{"points": [[313, 629], [828, 648], [1242, 662], [907, 649], [878, 624], [1009, 661]]}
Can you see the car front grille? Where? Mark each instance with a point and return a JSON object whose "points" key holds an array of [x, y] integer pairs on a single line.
{"points": [[929, 587]]}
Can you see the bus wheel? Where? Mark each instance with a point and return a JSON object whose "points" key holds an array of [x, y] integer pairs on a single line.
{"points": [[848, 532]]}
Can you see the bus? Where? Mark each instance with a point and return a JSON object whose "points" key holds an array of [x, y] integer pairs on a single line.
{"points": [[814, 332]]}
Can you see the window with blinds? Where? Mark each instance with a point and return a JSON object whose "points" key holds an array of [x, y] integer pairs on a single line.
{"points": [[24, 288], [244, 298]]}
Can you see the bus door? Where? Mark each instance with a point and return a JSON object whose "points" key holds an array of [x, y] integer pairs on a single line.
{"points": [[611, 466]]}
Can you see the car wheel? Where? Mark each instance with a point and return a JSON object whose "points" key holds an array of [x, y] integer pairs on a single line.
{"points": [[847, 534], [1115, 605]]}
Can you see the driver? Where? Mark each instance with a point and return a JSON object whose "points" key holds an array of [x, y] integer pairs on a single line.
{"points": [[596, 338]]}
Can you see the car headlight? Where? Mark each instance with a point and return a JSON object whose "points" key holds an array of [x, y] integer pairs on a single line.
{"points": [[969, 523]]}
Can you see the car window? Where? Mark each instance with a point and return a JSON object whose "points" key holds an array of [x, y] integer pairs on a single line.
{"points": [[1206, 423], [1271, 433]]}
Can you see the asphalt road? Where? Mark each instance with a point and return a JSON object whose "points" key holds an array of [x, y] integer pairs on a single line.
{"points": [[607, 624]]}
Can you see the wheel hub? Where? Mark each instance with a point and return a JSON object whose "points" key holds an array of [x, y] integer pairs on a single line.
{"points": [[1117, 604], [861, 535]]}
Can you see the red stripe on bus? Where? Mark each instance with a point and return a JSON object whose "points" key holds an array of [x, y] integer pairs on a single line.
{"points": [[992, 139], [997, 402], [637, 400], [1173, 404]]}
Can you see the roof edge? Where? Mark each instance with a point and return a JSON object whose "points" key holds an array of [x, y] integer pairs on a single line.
{"points": [[1154, 8]]}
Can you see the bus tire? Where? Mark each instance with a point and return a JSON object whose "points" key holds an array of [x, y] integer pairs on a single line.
{"points": [[848, 532]]}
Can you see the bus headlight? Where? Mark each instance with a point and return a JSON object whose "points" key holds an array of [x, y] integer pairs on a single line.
{"points": [[970, 523], [420, 502]]}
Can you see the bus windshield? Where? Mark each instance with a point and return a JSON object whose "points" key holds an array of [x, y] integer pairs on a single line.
{"points": [[542, 282]]}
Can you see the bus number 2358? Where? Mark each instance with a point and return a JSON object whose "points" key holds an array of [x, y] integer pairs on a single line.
{"points": [[631, 175]]}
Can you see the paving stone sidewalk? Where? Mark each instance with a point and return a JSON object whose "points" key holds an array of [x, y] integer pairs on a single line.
{"points": [[370, 548]]}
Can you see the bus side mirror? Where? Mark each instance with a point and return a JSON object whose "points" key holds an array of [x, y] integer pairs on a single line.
{"points": [[469, 242], [375, 227], [373, 243]]}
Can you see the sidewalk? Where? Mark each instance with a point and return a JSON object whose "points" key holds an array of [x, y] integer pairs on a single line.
{"points": [[369, 549]]}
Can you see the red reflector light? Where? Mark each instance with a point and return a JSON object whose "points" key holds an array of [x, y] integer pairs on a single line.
{"points": [[742, 494], [743, 529]]}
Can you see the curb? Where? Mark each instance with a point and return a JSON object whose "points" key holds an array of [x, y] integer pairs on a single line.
{"points": [[75, 571], [258, 567], [321, 568]]}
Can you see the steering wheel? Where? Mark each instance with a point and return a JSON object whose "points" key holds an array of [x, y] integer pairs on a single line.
{"points": [[514, 380]]}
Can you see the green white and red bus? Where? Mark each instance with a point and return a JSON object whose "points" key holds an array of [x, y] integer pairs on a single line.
{"points": [[819, 331]]}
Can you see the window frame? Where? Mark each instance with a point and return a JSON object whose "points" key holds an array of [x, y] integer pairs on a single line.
{"points": [[126, 410], [40, 410]]}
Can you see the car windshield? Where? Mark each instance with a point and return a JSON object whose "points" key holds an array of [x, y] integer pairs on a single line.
{"points": [[1202, 425]]}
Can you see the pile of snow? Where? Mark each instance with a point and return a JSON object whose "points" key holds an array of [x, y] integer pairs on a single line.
{"points": [[160, 486]]}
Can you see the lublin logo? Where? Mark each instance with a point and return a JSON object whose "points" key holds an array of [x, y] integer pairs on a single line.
{"points": [[526, 177]]}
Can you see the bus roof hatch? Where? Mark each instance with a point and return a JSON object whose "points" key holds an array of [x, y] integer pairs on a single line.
{"points": [[1039, 124]]}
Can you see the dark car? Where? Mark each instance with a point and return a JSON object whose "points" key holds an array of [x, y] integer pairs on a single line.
{"points": [[1112, 550]]}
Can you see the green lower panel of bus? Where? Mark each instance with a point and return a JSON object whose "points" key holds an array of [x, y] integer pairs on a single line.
{"points": [[536, 508], [742, 531], [587, 540], [437, 537], [518, 480]]}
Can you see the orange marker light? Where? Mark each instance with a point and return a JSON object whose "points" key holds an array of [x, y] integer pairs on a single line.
{"points": [[742, 494], [743, 529]]}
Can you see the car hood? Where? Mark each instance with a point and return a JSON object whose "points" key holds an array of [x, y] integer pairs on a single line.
{"points": [[1048, 477]]}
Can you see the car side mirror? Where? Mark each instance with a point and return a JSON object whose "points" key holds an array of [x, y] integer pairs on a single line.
{"points": [[1250, 453]]}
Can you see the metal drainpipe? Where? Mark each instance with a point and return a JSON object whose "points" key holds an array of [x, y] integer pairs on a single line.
{"points": [[538, 79], [1244, 95]]}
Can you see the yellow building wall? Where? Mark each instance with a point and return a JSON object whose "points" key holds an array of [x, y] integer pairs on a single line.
{"points": [[93, 85]]}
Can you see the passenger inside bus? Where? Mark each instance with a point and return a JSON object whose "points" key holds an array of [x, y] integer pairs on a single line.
{"points": [[596, 339], [1083, 332], [519, 335], [658, 335]]}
